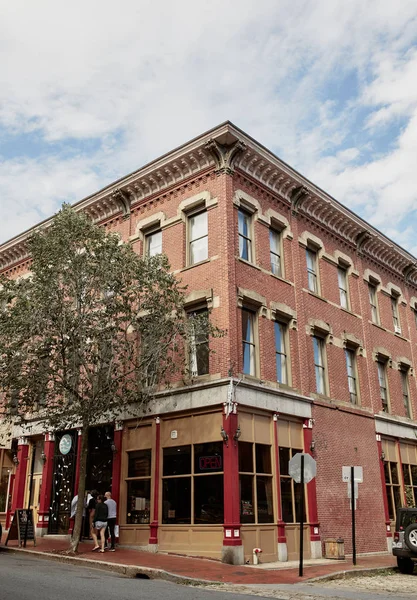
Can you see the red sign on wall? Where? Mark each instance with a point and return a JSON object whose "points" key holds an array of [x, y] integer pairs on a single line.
{"points": [[210, 463]]}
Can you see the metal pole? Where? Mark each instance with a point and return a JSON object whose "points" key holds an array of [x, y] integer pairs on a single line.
{"points": [[32, 470], [300, 571], [352, 499]]}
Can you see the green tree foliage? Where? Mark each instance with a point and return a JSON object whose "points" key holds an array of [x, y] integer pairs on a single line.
{"points": [[92, 333]]}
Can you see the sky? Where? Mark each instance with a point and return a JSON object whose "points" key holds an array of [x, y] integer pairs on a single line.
{"points": [[92, 90]]}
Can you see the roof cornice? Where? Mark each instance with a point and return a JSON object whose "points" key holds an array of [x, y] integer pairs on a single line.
{"points": [[227, 148]]}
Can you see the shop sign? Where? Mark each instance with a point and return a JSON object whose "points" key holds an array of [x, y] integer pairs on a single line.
{"points": [[210, 463], [65, 444]]}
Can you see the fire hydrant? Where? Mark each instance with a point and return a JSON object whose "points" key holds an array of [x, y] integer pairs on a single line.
{"points": [[255, 554]]}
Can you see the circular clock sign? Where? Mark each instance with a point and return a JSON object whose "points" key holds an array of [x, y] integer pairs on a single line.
{"points": [[65, 444]]}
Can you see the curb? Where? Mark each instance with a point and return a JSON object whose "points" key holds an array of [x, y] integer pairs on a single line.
{"points": [[351, 573], [130, 571]]}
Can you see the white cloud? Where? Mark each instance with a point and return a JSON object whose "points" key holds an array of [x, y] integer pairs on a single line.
{"points": [[141, 77]]}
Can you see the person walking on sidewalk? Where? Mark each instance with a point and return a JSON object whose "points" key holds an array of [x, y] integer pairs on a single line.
{"points": [[100, 523], [111, 520]]}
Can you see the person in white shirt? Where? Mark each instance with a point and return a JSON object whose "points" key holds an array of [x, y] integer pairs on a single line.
{"points": [[111, 519]]}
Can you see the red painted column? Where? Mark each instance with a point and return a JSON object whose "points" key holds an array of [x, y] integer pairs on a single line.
{"points": [[280, 523], [77, 475], [384, 490], [46, 487], [117, 461], [231, 526], [311, 487], [21, 472], [153, 537]]}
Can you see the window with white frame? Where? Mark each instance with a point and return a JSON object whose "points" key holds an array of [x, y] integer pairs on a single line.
{"points": [[350, 355], [199, 343], [249, 341], [198, 237], [395, 315], [312, 270], [281, 351], [383, 384], [343, 287], [275, 252], [319, 364], [153, 243], [404, 371], [245, 235], [373, 302]]}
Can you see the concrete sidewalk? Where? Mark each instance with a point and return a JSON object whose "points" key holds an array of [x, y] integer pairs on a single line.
{"points": [[183, 568]]}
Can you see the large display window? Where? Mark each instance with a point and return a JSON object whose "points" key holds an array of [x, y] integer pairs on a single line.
{"points": [[255, 478]]}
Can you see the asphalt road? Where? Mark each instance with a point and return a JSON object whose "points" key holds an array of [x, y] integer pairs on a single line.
{"points": [[27, 578]]}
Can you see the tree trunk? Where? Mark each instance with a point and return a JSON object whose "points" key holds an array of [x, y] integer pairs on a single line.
{"points": [[76, 534]]}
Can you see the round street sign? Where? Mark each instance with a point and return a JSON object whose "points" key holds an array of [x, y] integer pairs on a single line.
{"points": [[310, 467]]}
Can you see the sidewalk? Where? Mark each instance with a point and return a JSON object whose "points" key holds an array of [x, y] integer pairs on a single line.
{"points": [[174, 567]]}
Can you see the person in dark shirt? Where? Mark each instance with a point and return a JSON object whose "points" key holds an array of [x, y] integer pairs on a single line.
{"points": [[100, 523]]}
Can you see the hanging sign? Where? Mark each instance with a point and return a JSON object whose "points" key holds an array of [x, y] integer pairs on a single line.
{"points": [[65, 444]]}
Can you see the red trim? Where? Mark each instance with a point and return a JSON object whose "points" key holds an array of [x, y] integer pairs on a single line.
{"points": [[280, 523], [384, 490], [46, 488], [231, 527], [117, 465], [153, 538], [313, 518], [20, 478]]}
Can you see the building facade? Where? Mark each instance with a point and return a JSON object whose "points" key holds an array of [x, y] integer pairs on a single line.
{"points": [[320, 311]]}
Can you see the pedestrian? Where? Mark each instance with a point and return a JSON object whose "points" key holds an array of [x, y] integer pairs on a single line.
{"points": [[100, 523], [91, 510], [111, 520]]}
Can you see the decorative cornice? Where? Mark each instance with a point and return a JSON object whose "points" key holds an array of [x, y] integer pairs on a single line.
{"points": [[225, 156]]}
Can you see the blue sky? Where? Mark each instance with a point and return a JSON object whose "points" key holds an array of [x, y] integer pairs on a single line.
{"points": [[91, 90]]}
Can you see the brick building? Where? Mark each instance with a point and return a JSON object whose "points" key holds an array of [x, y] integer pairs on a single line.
{"points": [[321, 317]]}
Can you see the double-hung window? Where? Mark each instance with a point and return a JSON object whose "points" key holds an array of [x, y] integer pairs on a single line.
{"points": [[351, 375], [373, 302], [249, 341], [312, 270], [275, 252], [319, 364], [406, 392], [383, 385], [153, 243], [198, 237], [395, 315], [281, 352], [343, 287], [245, 235], [199, 343]]}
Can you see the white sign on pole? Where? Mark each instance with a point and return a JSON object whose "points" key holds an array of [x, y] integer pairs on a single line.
{"points": [[358, 474], [310, 467], [349, 490]]}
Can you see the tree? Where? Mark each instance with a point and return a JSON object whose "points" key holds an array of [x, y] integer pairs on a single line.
{"points": [[91, 334]]}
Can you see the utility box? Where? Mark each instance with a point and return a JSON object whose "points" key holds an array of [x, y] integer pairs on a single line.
{"points": [[334, 548]]}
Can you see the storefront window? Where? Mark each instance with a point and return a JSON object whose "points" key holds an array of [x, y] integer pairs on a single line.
{"points": [[200, 478], [290, 491], [392, 486], [256, 498], [139, 487]]}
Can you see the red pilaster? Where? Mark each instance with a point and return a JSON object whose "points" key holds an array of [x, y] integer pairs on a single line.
{"points": [[311, 487], [117, 462], [280, 523], [231, 527], [46, 488], [153, 538], [384, 491], [20, 476]]}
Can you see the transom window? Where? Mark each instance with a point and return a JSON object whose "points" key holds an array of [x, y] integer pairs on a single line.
{"points": [[275, 252], [281, 352], [248, 341], [351, 373], [255, 478], [153, 243], [198, 237], [383, 386], [245, 235], [343, 287], [373, 302], [311, 256], [319, 364]]}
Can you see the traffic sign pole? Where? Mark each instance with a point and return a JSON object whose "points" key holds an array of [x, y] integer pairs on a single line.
{"points": [[300, 570], [353, 501]]}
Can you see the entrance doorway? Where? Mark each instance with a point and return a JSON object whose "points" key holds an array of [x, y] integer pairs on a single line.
{"points": [[63, 482], [100, 459], [35, 455]]}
